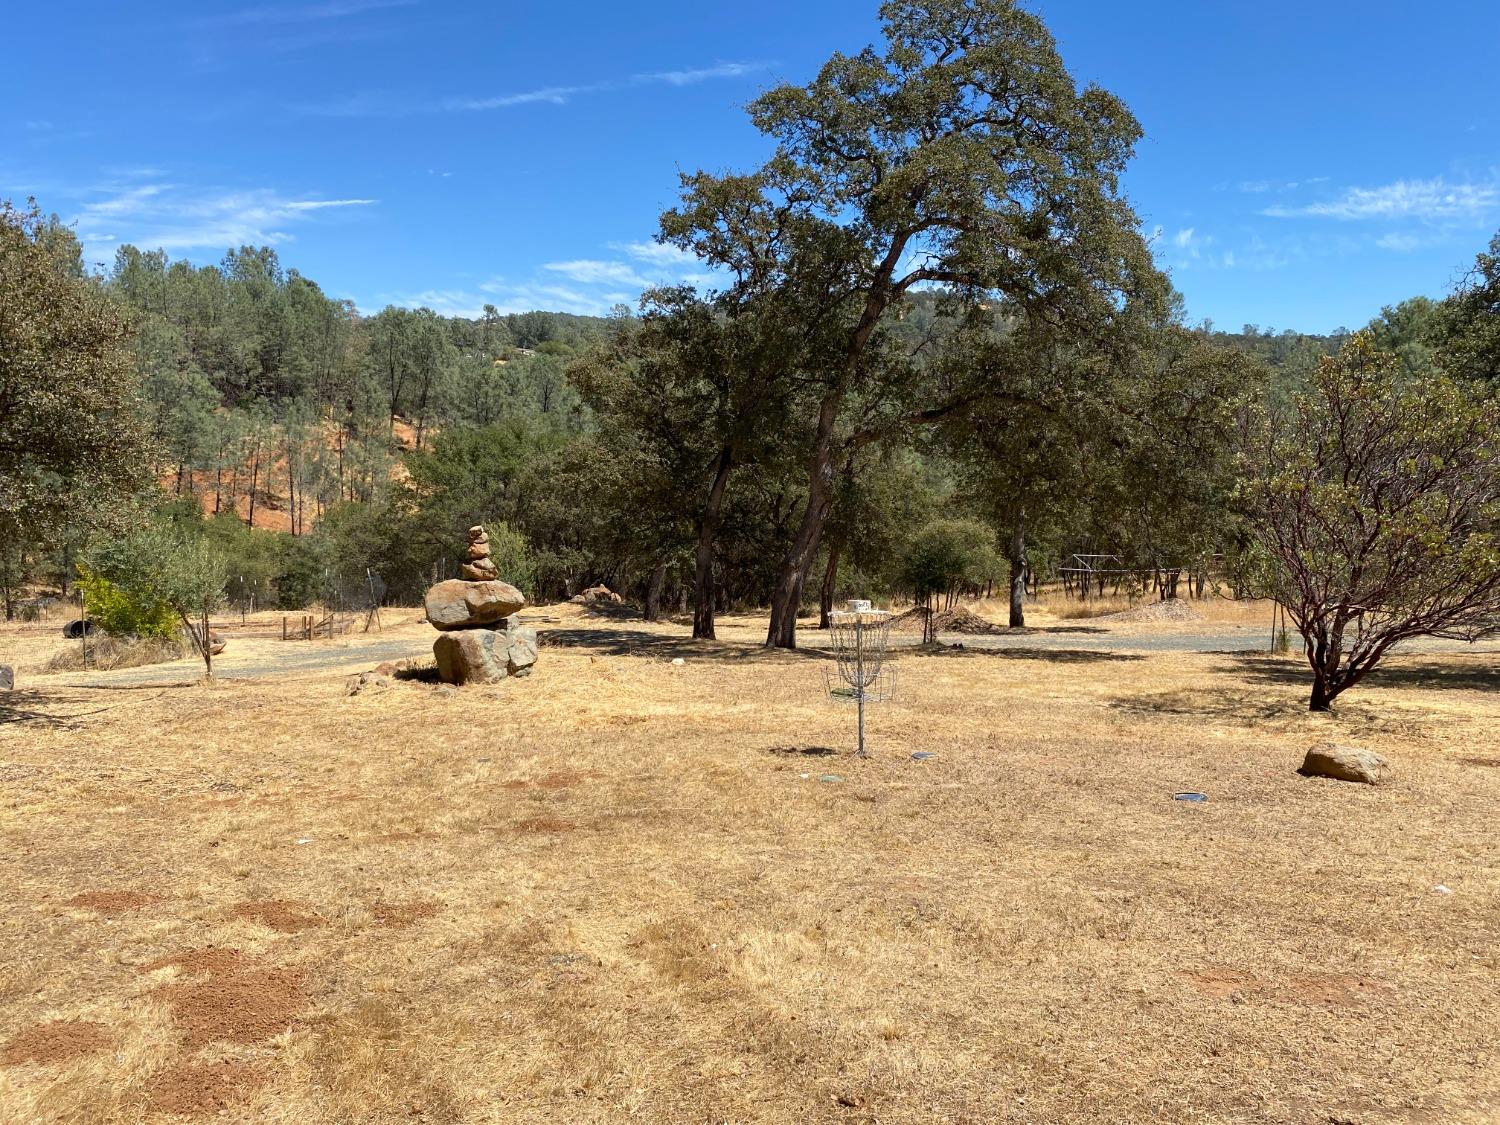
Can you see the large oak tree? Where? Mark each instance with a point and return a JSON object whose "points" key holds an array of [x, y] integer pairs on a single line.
{"points": [[962, 155]]}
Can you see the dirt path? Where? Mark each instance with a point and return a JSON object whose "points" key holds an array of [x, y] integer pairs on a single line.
{"points": [[259, 660]]}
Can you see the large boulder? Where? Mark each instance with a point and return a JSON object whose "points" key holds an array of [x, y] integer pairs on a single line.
{"points": [[484, 656], [7, 678], [1344, 763], [456, 604]]}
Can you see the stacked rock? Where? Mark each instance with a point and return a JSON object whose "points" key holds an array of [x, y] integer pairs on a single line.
{"points": [[482, 638]]}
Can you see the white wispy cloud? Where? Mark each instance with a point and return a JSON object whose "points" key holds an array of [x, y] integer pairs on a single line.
{"points": [[590, 272], [300, 13], [701, 74], [549, 95], [395, 105], [594, 285], [1405, 243], [661, 254], [1261, 187], [1191, 249], [1434, 200], [177, 218]]}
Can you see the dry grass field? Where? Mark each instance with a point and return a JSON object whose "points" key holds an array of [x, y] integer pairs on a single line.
{"points": [[623, 889]]}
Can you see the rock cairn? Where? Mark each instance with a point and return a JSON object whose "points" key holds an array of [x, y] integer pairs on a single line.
{"points": [[482, 639]]}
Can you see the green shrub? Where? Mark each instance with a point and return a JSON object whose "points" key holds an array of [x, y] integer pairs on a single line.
{"points": [[123, 615]]}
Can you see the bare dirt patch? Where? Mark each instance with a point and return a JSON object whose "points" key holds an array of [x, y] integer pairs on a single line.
{"points": [[240, 1007], [1330, 989], [557, 779], [202, 962], [115, 902], [398, 915], [55, 1042], [202, 1088], [282, 915]]}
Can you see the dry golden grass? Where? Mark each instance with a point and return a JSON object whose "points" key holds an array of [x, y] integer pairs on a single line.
{"points": [[619, 890]]}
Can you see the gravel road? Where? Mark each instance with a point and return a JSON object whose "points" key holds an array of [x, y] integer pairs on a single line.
{"points": [[285, 660]]}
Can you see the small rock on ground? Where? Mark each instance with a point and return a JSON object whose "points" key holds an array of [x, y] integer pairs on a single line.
{"points": [[1344, 763]]}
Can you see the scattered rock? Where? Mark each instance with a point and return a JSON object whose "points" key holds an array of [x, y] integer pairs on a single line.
{"points": [[446, 689], [7, 678], [389, 668], [216, 643], [596, 595], [457, 604], [55, 1042], [1344, 763], [365, 680]]}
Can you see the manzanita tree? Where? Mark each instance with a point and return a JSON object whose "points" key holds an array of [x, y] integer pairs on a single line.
{"points": [[1379, 496]]}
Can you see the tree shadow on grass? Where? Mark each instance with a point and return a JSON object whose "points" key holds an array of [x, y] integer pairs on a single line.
{"points": [[633, 642], [1050, 655], [24, 707], [1428, 675]]}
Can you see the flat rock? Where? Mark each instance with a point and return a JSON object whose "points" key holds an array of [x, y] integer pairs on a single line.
{"points": [[1344, 763], [457, 604], [484, 656], [481, 570]]}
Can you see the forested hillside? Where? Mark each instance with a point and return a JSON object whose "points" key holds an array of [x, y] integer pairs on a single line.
{"points": [[355, 444]]}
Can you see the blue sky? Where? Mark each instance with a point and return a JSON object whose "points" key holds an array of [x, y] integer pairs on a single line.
{"points": [[1305, 163]]}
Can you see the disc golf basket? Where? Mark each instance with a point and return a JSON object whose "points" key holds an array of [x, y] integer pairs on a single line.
{"points": [[862, 673]]}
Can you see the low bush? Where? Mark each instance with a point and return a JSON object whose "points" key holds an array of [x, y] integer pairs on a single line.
{"points": [[122, 614]]}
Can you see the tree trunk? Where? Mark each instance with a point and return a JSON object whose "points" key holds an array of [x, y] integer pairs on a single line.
{"points": [[787, 597], [654, 586], [830, 585], [1322, 699], [1018, 574], [708, 533], [254, 479]]}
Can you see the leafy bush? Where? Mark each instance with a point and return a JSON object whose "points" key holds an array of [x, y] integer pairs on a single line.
{"points": [[122, 613]]}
